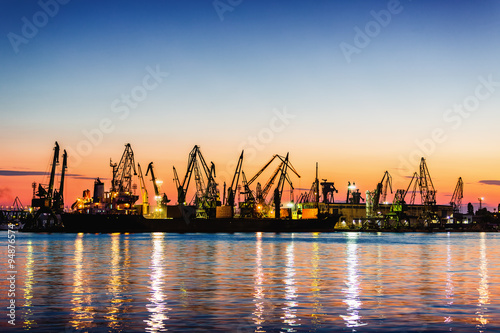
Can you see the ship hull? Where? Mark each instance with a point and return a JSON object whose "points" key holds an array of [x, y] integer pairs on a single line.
{"points": [[109, 223]]}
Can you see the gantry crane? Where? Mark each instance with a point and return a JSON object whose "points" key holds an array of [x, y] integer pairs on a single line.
{"points": [[144, 191], [379, 195], [122, 172], [427, 190], [122, 198], [428, 194], [278, 191], [256, 205], [458, 194], [398, 207], [247, 207], [231, 191], [59, 195], [384, 185], [207, 196], [48, 201]]}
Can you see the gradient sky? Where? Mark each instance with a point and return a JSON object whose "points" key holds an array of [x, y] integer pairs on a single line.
{"points": [[231, 68]]}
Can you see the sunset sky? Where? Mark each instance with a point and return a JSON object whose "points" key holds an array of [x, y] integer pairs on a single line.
{"points": [[358, 86]]}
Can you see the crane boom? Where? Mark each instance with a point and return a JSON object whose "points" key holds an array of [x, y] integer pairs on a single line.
{"points": [[153, 178], [269, 183], [231, 191], [261, 170], [279, 189], [144, 191], [386, 185], [55, 160], [59, 195], [415, 182]]}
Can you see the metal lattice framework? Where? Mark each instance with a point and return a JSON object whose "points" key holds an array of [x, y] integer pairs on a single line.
{"points": [[458, 194], [427, 190], [122, 172]]}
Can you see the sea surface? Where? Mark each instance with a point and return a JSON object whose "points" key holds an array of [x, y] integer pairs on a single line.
{"points": [[253, 282]]}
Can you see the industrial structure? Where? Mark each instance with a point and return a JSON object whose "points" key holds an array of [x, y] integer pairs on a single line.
{"points": [[48, 201], [248, 199]]}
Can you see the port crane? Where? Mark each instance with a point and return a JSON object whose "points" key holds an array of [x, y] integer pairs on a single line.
{"points": [[428, 194], [278, 191], [383, 186], [427, 190], [144, 191], [256, 205], [161, 199], [231, 191], [121, 184], [247, 207], [207, 196], [48, 200], [59, 194], [379, 195], [122, 172], [284, 165], [398, 207], [458, 194]]}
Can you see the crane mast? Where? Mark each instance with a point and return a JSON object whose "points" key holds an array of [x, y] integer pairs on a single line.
{"points": [[59, 195], [427, 190], [55, 160], [144, 191], [458, 194], [386, 183], [279, 189], [231, 191]]}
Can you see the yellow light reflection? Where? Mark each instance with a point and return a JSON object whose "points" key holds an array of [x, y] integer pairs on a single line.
{"points": [[258, 286], [290, 309], [158, 305], [82, 313], [28, 321], [449, 293], [315, 285], [115, 284], [484, 294], [352, 319]]}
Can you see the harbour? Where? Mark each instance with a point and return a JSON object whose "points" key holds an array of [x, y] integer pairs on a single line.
{"points": [[240, 208], [250, 166]]}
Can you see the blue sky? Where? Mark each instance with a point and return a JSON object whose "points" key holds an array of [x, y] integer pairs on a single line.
{"points": [[225, 78]]}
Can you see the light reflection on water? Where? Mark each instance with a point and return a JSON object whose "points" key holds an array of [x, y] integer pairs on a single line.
{"points": [[158, 301], [449, 278], [352, 319], [259, 294], [260, 282], [483, 289], [290, 310], [28, 321]]}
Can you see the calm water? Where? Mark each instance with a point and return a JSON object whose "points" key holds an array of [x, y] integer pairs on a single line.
{"points": [[324, 282]]}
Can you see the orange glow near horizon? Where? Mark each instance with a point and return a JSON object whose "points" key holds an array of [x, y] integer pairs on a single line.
{"points": [[366, 172]]}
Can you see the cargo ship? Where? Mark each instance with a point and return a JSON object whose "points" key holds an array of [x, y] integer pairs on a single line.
{"points": [[112, 223]]}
